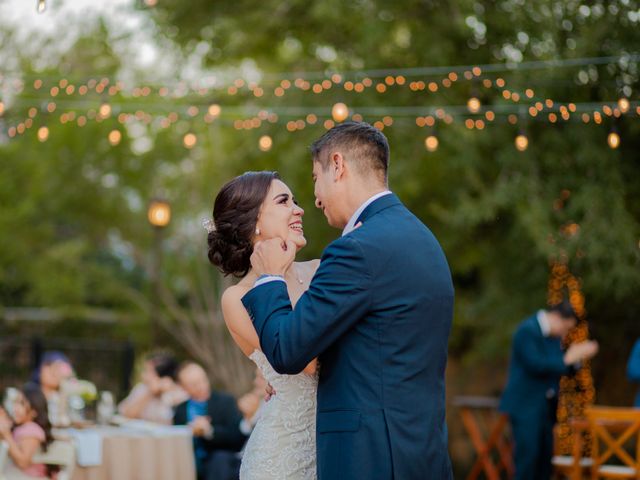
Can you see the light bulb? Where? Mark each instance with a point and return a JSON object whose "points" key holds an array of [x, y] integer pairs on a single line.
{"points": [[159, 213], [431, 143], [104, 110], [265, 143], [340, 112], [114, 137], [613, 139], [190, 140], [41, 6], [43, 134], [474, 105], [522, 142], [623, 105]]}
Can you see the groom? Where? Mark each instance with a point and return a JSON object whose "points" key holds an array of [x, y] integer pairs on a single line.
{"points": [[377, 314]]}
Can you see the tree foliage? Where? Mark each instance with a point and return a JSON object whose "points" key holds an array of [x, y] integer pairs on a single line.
{"points": [[73, 208]]}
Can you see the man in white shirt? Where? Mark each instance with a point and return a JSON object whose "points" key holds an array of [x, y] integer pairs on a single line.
{"points": [[531, 395]]}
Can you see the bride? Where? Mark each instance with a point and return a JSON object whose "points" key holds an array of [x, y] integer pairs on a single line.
{"points": [[252, 207]]}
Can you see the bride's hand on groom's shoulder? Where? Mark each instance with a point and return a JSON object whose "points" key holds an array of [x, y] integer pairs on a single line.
{"points": [[273, 256]]}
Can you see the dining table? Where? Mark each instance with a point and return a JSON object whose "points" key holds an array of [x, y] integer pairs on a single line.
{"points": [[134, 450]]}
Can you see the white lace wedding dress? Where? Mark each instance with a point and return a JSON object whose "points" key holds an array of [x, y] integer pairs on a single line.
{"points": [[283, 442]]}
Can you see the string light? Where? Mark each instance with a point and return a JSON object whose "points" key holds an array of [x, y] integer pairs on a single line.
{"points": [[474, 105], [431, 143], [43, 134], [189, 140], [613, 139], [522, 142], [41, 6], [265, 143], [623, 105], [340, 112], [105, 110], [114, 137], [1, 108]]}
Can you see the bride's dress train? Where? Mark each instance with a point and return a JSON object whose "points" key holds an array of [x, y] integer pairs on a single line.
{"points": [[283, 443]]}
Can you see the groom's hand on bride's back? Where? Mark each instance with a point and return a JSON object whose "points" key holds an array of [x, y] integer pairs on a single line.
{"points": [[273, 256]]}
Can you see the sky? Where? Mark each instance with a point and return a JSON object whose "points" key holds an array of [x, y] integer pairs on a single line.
{"points": [[45, 35]]}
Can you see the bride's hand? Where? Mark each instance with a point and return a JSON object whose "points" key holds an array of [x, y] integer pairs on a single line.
{"points": [[273, 256]]}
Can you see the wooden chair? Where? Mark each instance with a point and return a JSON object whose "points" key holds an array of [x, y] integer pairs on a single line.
{"points": [[488, 444], [61, 453], [615, 436], [573, 466]]}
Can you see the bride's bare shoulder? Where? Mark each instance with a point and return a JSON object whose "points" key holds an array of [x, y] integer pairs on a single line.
{"points": [[232, 296], [309, 267]]}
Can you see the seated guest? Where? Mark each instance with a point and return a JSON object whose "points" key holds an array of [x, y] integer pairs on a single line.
{"points": [[158, 394], [531, 395], [251, 402], [215, 422], [53, 370], [633, 368], [28, 433]]}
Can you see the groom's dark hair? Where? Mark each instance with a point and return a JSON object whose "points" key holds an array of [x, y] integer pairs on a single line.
{"points": [[364, 146], [564, 309]]}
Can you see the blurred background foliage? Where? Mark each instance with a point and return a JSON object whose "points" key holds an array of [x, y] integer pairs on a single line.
{"points": [[73, 227]]}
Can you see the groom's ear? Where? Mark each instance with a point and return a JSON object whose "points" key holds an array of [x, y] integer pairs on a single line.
{"points": [[337, 166]]}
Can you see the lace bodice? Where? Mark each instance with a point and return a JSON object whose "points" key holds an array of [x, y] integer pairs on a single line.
{"points": [[283, 443]]}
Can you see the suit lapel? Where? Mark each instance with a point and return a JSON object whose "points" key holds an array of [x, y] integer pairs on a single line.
{"points": [[377, 206]]}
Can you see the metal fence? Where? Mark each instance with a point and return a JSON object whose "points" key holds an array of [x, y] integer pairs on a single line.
{"points": [[106, 363]]}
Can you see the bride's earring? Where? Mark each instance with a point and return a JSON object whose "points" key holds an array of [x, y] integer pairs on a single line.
{"points": [[257, 231]]}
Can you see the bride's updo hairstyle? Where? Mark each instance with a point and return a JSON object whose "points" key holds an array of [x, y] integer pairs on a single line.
{"points": [[235, 214]]}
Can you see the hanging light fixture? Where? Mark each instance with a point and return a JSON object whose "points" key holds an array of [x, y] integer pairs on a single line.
{"points": [[105, 110], [473, 104], [189, 140], [623, 104], [43, 134], [431, 143], [340, 112], [114, 137], [265, 143], [522, 142], [613, 139]]}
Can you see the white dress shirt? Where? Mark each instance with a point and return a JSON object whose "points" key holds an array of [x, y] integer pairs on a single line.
{"points": [[354, 218], [543, 321]]}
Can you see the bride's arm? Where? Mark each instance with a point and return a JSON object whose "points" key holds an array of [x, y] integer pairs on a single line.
{"points": [[313, 365], [238, 321]]}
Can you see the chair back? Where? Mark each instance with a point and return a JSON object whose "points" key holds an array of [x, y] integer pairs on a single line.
{"points": [[615, 437], [61, 453]]}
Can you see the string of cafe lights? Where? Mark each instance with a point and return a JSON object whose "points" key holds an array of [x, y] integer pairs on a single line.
{"points": [[474, 113], [475, 119]]}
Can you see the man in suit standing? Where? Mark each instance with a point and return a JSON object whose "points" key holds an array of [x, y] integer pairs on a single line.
{"points": [[378, 314], [215, 421], [633, 368], [531, 396]]}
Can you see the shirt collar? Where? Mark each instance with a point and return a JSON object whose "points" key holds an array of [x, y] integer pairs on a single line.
{"points": [[354, 218], [543, 321]]}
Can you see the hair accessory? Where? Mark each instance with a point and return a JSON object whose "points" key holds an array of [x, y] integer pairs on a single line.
{"points": [[209, 225]]}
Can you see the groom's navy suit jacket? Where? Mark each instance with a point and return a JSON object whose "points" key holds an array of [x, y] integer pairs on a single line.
{"points": [[377, 315]]}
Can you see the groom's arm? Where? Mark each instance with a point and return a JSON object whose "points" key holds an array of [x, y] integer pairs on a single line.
{"points": [[339, 295]]}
